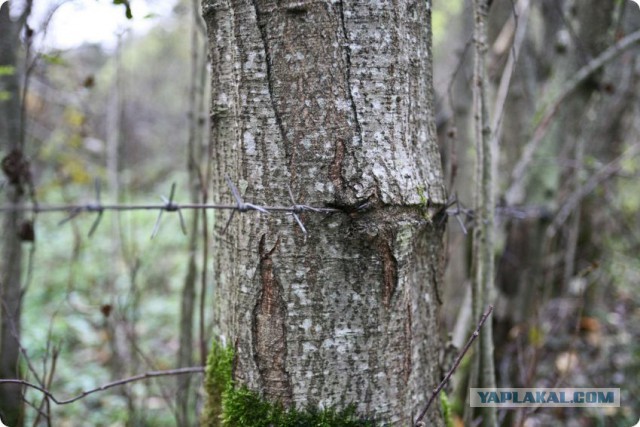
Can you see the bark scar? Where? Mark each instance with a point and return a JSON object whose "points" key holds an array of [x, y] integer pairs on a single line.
{"points": [[269, 330], [347, 49], [335, 170], [262, 28], [407, 338], [389, 270], [436, 283]]}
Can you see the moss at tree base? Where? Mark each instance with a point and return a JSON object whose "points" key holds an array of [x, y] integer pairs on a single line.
{"points": [[231, 406], [217, 381]]}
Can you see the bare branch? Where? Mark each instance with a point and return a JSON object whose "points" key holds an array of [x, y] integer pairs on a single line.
{"points": [[515, 191], [456, 363], [146, 375], [601, 175], [521, 22]]}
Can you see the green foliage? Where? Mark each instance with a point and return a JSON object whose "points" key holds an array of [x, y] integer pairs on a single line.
{"points": [[72, 280], [73, 277], [53, 59], [447, 410], [229, 405], [629, 197], [7, 70]]}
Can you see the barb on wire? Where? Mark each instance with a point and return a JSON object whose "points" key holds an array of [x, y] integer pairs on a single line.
{"points": [[74, 212], [97, 207], [241, 205], [457, 213], [296, 209], [464, 216], [77, 210], [169, 206]]}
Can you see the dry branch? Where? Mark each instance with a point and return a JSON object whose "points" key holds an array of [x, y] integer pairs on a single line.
{"points": [[515, 192], [456, 363], [146, 375]]}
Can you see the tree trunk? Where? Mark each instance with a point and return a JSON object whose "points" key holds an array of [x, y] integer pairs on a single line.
{"points": [[333, 100], [15, 171]]}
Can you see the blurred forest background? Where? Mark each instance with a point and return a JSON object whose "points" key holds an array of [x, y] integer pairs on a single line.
{"points": [[134, 117]]}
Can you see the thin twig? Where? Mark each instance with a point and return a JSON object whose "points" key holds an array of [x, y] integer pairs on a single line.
{"points": [[16, 335], [514, 193], [146, 375], [509, 69], [601, 175], [437, 390], [453, 128]]}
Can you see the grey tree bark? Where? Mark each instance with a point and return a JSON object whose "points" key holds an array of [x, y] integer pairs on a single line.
{"points": [[483, 374], [332, 99]]}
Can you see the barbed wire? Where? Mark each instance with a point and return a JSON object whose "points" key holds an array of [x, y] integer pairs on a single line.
{"points": [[169, 205], [464, 216]]}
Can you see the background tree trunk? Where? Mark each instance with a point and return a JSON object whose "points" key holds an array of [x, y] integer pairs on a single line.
{"points": [[542, 261], [590, 124], [15, 171], [333, 99]]}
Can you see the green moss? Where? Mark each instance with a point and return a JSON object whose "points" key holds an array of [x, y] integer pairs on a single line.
{"points": [[424, 200], [243, 407], [228, 405], [424, 203], [217, 382]]}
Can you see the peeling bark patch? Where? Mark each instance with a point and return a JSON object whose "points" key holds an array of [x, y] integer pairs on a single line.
{"points": [[269, 331], [389, 271], [406, 368], [335, 170]]}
